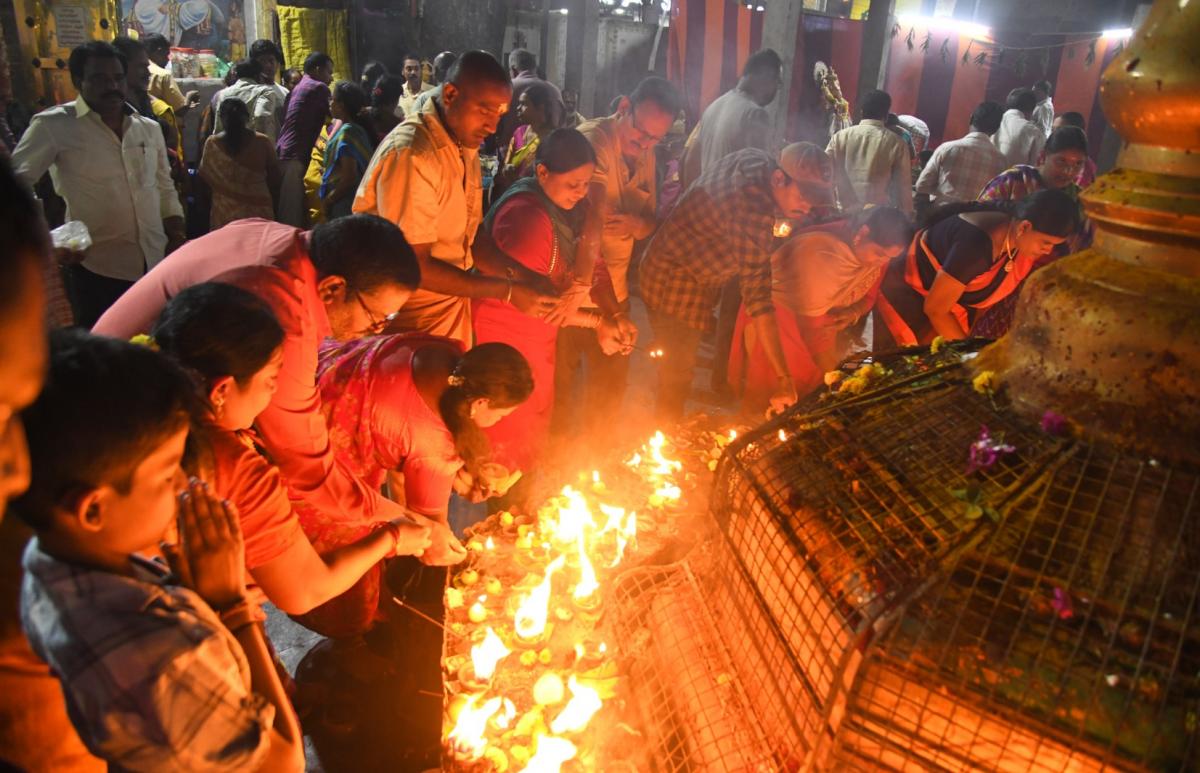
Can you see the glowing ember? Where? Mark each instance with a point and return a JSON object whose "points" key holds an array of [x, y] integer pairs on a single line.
{"points": [[587, 575], [487, 654], [467, 736], [550, 754], [574, 717], [530, 619]]}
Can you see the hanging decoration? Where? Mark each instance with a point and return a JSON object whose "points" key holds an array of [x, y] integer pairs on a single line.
{"points": [[1023, 58]]}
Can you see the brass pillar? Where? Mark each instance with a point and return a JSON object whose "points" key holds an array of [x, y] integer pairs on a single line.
{"points": [[1110, 337]]}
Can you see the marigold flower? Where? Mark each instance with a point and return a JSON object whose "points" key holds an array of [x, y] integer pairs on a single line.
{"points": [[986, 382]]}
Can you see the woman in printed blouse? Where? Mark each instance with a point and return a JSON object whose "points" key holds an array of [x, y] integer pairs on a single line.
{"points": [[1063, 160], [538, 112], [409, 410], [537, 221], [347, 151], [823, 280], [232, 342], [965, 260]]}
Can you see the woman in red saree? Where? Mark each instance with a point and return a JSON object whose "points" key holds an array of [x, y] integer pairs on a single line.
{"points": [[537, 221], [823, 280], [408, 410]]}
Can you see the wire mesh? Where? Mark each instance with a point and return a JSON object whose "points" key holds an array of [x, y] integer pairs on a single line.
{"points": [[695, 712], [892, 609]]}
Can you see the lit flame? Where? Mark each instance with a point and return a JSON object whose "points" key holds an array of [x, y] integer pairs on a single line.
{"points": [[662, 465], [587, 575], [467, 735], [595, 476], [584, 704], [732, 435], [626, 534], [530, 619], [490, 545], [669, 491], [656, 354], [783, 436], [550, 755], [634, 460], [487, 654], [504, 717], [573, 517]]}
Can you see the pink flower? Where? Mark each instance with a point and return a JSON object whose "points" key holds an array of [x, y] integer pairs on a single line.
{"points": [[986, 451]]}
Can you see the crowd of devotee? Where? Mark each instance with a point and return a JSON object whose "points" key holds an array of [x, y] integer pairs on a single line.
{"points": [[268, 375]]}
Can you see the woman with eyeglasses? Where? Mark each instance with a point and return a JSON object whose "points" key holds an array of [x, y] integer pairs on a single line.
{"points": [[1064, 158]]}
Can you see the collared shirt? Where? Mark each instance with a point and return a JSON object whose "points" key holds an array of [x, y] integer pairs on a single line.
{"points": [[630, 190], [876, 164], [424, 181], [1019, 140], [1043, 116], [958, 170], [408, 100], [151, 678], [262, 101], [307, 109], [722, 228], [732, 122], [271, 261], [163, 86], [120, 187]]}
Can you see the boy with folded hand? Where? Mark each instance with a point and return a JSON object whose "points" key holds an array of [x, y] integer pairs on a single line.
{"points": [[160, 670]]}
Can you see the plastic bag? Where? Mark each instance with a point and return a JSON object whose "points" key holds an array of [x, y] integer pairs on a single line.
{"points": [[72, 235]]}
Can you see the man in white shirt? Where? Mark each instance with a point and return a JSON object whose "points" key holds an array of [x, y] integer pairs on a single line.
{"points": [[414, 85], [1019, 140], [1043, 111], [871, 164], [958, 170], [262, 99], [110, 165], [270, 56]]}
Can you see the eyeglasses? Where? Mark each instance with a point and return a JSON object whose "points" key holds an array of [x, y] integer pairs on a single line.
{"points": [[641, 134], [376, 325]]}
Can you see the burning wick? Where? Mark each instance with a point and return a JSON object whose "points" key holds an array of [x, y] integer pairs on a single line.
{"points": [[654, 354], [486, 654], [530, 619], [467, 737]]}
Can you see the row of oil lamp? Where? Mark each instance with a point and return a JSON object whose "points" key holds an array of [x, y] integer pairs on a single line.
{"points": [[574, 543]]}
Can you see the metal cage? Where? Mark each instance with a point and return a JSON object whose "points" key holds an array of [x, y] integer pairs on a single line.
{"points": [[870, 603]]}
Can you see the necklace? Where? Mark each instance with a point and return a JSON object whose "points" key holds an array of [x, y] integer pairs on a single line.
{"points": [[1009, 253]]}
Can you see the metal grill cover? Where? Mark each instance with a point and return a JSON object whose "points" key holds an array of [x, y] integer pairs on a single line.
{"points": [[890, 609]]}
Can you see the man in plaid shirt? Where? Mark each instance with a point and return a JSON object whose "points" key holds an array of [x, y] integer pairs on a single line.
{"points": [[724, 227], [959, 169]]}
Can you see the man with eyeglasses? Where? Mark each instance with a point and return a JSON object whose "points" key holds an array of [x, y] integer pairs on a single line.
{"points": [[425, 177], [622, 200], [723, 228], [110, 164], [341, 280]]}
